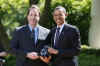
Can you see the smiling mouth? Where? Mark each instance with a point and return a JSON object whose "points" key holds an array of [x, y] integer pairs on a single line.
{"points": [[58, 20]]}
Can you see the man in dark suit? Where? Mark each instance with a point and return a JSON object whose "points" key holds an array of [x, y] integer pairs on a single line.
{"points": [[28, 40], [65, 40]]}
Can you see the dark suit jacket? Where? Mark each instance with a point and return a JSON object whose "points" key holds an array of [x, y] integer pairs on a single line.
{"points": [[22, 43], [68, 46]]}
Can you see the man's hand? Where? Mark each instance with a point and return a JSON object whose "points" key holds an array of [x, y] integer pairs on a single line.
{"points": [[32, 55], [3, 54], [45, 59], [52, 51]]}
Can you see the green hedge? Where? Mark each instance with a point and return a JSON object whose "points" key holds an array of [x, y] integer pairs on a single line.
{"points": [[87, 57]]}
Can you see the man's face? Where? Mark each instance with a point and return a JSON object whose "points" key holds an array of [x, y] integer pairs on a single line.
{"points": [[33, 16], [59, 17]]}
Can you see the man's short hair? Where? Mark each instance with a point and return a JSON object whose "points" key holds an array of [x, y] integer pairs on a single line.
{"points": [[60, 7], [36, 7], [33, 7]]}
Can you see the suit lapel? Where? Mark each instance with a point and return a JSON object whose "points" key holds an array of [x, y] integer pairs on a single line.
{"points": [[28, 32], [53, 35], [62, 32]]}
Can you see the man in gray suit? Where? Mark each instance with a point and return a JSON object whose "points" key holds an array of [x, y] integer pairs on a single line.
{"points": [[28, 40]]}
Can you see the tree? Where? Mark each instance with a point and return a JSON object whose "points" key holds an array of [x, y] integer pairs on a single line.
{"points": [[46, 14], [33, 2]]}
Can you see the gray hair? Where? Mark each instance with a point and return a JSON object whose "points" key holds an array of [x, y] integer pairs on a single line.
{"points": [[33, 7], [60, 8], [36, 7]]}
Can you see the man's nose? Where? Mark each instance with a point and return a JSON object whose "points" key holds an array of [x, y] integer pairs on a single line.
{"points": [[57, 17], [32, 16]]}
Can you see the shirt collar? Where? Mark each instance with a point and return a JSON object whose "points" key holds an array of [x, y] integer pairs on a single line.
{"points": [[61, 27], [31, 27]]}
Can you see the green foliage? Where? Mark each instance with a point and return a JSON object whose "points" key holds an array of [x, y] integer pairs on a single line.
{"points": [[79, 15], [87, 57], [13, 13], [10, 61]]}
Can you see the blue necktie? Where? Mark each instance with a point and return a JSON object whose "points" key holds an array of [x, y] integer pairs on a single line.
{"points": [[33, 35]]}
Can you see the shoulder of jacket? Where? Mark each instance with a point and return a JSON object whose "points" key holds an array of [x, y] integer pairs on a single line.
{"points": [[20, 28], [71, 26], [44, 29]]}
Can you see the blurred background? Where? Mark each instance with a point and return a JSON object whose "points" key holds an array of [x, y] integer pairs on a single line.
{"points": [[82, 13]]}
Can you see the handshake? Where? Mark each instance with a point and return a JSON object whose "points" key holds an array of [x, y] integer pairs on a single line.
{"points": [[44, 55]]}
